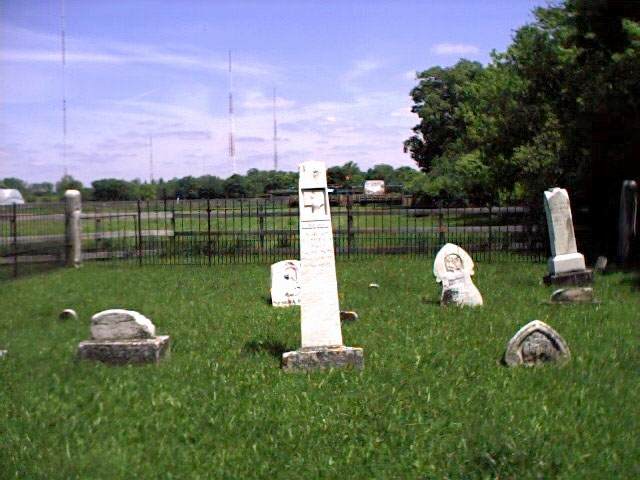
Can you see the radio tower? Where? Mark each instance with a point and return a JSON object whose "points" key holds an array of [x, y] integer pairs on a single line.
{"points": [[275, 133], [63, 49], [232, 149], [151, 158]]}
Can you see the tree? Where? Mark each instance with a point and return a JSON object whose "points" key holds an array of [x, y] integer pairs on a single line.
{"points": [[67, 182], [112, 189], [14, 183]]}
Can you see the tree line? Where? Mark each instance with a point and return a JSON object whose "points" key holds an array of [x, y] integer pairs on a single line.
{"points": [[560, 107], [254, 183]]}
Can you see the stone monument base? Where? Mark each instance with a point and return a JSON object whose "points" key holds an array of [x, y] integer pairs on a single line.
{"points": [[316, 358], [569, 262], [148, 350], [578, 278]]}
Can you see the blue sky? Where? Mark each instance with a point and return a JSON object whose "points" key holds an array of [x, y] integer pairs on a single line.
{"points": [[343, 71]]}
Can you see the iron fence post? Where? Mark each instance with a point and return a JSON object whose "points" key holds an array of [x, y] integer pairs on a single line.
{"points": [[139, 236], [349, 225], [490, 234], [209, 230], [14, 233], [261, 227]]}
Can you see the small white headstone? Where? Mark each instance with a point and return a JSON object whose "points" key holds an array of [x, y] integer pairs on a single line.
{"points": [[453, 267], [118, 324], [565, 257], [374, 187], [285, 283]]}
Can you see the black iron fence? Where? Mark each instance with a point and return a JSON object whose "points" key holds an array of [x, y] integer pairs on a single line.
{"points": [[260, 231]]}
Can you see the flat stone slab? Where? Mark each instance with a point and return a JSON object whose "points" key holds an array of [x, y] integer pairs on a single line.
{"points": [[573, 295], [308, 359], [579, 278], [118, 352]]}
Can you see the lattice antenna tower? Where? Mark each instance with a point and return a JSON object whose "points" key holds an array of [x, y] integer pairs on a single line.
{"points": [[63, 51], [232, 147], [151, 158], [275, 133]]}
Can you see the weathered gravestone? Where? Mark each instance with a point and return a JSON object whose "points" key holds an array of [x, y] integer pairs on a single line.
{"points": [[123, 336], [3, 353], [627, 219], [601, 264], [319, 308], [453, 267], [536, 343], [285, 283], [566, 265]]}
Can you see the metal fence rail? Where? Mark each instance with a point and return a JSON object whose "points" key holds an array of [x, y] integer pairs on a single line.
{"points": [[220, 231]]}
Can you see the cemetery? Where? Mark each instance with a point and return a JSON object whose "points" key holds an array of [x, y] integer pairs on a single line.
{"points": [[215, 288], [245, 370]]}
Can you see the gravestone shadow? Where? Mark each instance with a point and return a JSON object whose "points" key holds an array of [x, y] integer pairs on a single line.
{"points": [[274, 348]]}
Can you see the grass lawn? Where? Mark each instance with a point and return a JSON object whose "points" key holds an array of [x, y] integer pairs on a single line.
{"points": [[432, 402]]}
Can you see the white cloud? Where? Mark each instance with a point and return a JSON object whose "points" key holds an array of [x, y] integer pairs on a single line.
{"points": [[360, 69], [257, 100], [454, 49], [25, 46]]}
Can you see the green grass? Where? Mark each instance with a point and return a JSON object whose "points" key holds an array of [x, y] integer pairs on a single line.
{"points": [[432, 402]]}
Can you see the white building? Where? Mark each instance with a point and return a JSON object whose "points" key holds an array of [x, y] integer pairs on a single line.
{"points": [[9, 196]]}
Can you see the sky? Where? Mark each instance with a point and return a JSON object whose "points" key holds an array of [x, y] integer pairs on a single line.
{"points": [[143, 69]]}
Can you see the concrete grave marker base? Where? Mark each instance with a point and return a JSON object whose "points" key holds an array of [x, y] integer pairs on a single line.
{"points": [[118, 352], [536, 343], [579, 278], [318, 358]]}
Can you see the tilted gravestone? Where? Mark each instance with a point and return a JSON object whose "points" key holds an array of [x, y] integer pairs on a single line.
{"points": [[536, 343], [285, 283], [627, 219], [453, 267], [123, 336], [319, 308], [566, 265]]}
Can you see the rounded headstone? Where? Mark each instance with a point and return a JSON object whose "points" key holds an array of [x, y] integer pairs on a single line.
{"points": [[348, 316], [536, 343], [374, 285], [118, 324], [68, 314], [3, 353]]}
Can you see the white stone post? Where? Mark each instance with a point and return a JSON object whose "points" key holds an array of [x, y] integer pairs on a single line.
{"points": [[320, 310], [73, 239]]}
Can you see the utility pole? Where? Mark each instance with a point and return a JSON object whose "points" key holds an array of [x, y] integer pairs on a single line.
{"points": [[150, 158], [63, 50], [232, 149], [275, 133]]}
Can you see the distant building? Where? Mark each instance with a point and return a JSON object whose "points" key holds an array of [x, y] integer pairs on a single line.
{"points": [[9, 196], [374, 187]]}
